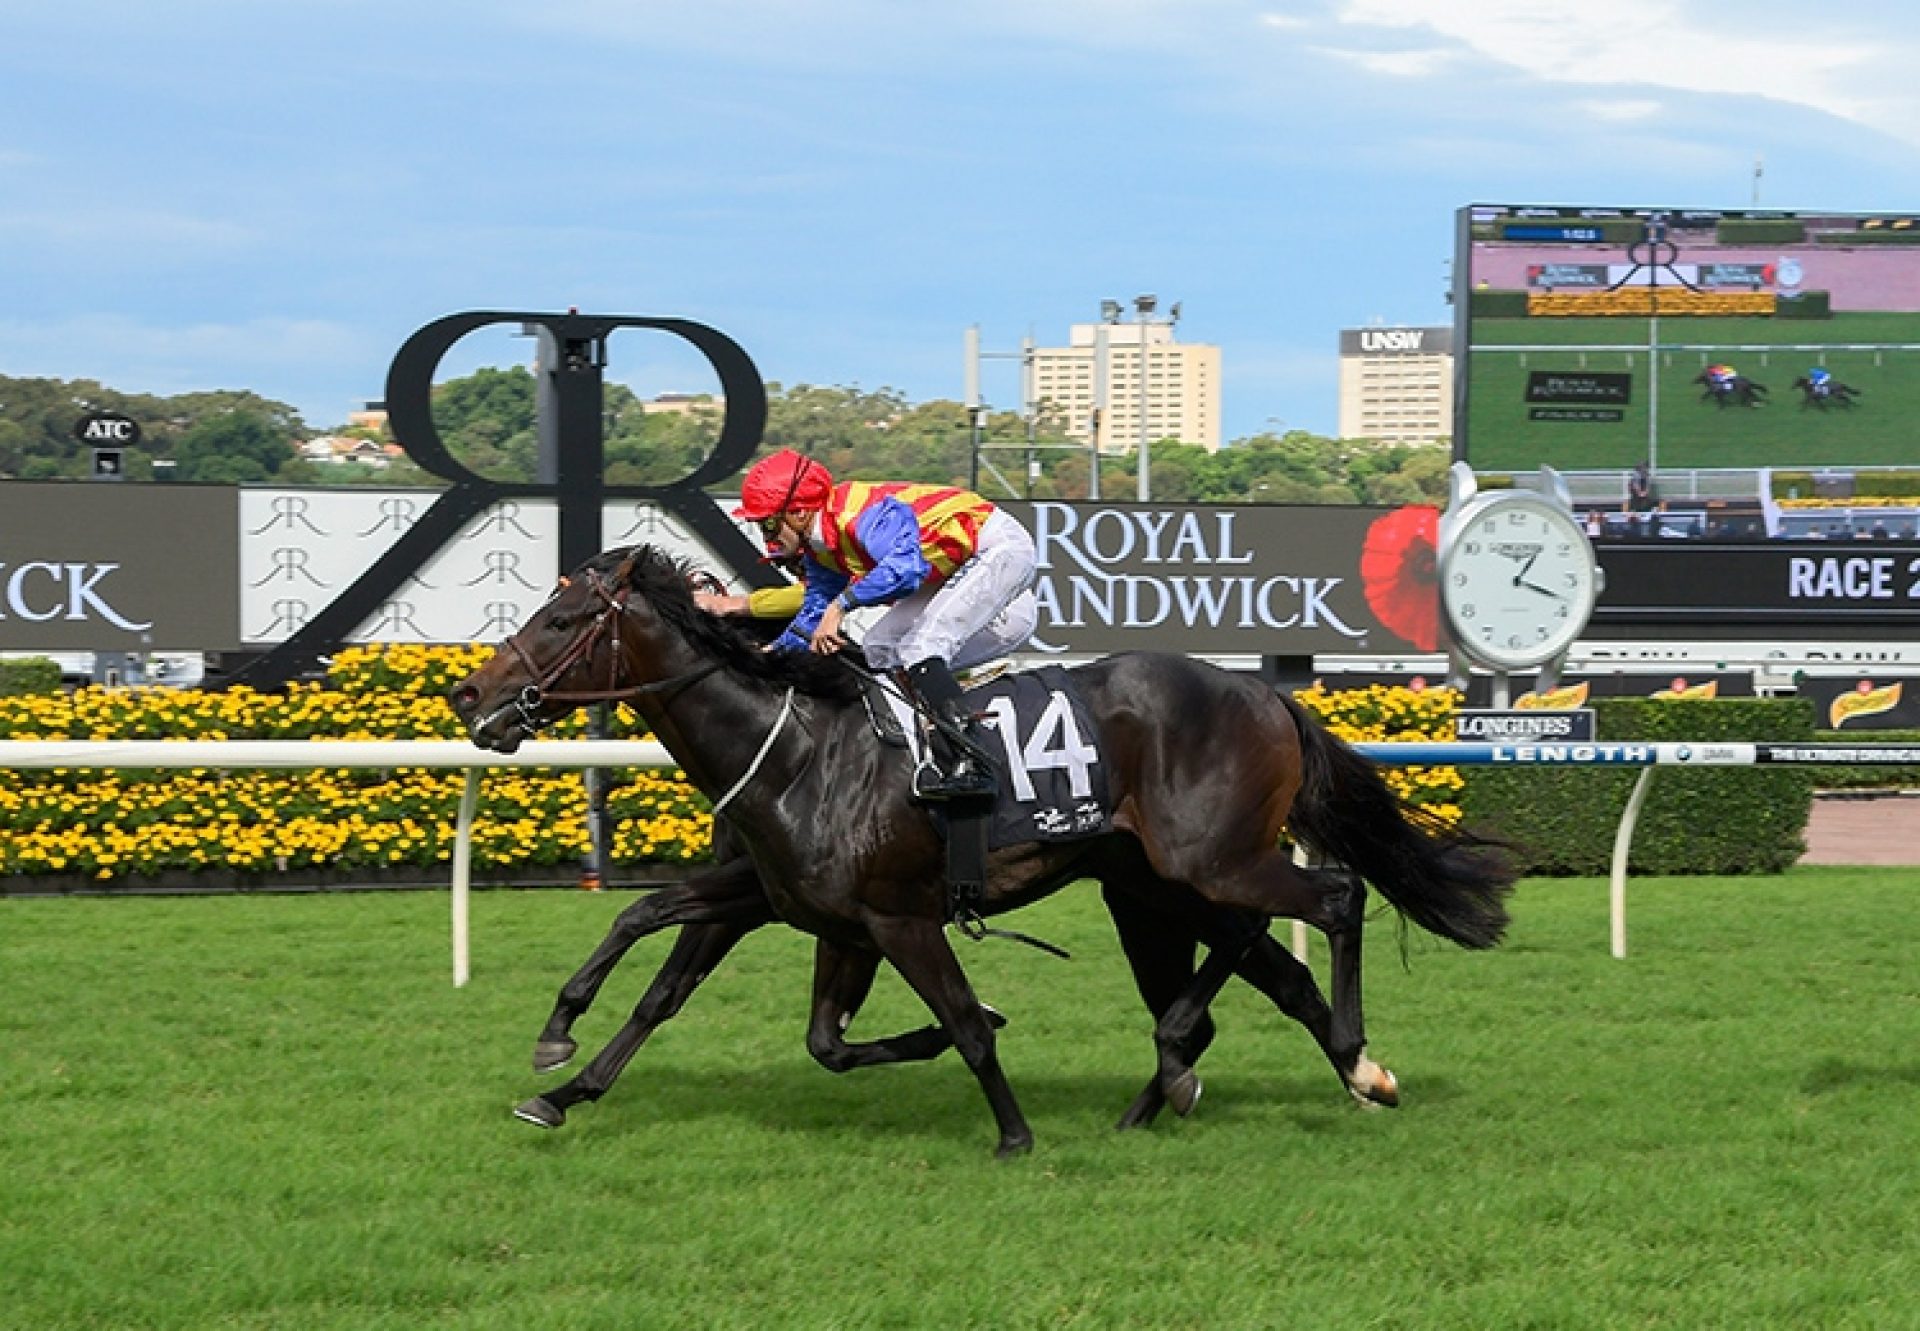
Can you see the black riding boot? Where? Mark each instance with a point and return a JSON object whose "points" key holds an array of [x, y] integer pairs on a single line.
{"points": [[963, 770]]}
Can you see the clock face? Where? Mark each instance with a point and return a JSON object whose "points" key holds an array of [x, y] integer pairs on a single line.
{"points": [[1517, 582]]}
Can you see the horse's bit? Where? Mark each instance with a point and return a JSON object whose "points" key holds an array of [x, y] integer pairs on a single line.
{"points": [[606, 624]]}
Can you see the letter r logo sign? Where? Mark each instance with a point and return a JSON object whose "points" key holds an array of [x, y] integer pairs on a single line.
{"points": [[575, 417]]}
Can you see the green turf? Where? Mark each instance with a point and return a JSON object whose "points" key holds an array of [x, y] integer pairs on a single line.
{"points": [[1693, 433], [276, 1113]]}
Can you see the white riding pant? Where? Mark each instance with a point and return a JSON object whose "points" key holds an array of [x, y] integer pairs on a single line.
{"points": [[983, 611]]}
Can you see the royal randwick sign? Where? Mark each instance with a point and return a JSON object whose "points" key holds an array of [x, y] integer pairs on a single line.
{"points": [[299, 573], [1266, 581]]}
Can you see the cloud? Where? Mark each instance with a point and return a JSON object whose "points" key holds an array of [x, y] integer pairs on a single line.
{"points": [[1418, 64], [1680, 44], [1623, 109]]}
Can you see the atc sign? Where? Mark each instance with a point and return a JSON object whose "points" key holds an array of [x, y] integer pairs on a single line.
{"points": [[107, 429]]}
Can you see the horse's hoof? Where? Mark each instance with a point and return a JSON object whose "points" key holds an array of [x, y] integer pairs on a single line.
{"points": [[1010, 1147], [1373, 1087], [540, 1113], [995, 1017], [1184, 1092], [1145, 1108], [552, 1055]]}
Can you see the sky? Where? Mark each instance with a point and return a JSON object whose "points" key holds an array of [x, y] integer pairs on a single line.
{"points": [[211, 194]]}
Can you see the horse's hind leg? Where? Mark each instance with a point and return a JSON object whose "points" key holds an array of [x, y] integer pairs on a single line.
{"points": [[919, 950], [1334, 902], [842, 978], [696, 952], [727, 892]]}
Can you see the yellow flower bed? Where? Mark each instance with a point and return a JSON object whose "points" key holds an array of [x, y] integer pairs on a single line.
{"points": [[115, 824], [1379, 714], [1855, 501], [1641, 302]]}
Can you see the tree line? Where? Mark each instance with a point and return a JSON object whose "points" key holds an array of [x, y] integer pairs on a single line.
{"points": [[487, 421]]}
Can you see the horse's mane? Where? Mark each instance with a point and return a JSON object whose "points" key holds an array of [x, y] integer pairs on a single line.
{"points": [[666, 583]]}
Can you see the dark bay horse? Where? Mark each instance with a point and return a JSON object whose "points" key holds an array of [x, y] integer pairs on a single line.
{"points": [[1733, 391], [1826, 393], [1206, 768]]}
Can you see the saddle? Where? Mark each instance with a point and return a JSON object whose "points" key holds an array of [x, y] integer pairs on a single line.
{"points": [[1043, 743]]}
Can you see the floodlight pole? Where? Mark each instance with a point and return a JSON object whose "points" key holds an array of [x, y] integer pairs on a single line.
{"points": [[1143, 306]]}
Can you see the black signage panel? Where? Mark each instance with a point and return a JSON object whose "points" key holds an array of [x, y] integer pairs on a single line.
{"points": [[1280, 581], [1784, 585], [1580, 387], [1575, 414], [129, 568]]}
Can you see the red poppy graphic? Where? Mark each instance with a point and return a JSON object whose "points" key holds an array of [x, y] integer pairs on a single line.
{"points": [[1399, 573]]}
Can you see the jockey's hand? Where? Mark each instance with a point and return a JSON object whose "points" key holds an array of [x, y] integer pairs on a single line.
{"points": [[716, 604], [827, 638]]}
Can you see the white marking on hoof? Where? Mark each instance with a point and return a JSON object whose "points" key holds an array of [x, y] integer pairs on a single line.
{"points": [[1372, 1086]]}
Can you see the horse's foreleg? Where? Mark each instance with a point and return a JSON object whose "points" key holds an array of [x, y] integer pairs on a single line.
{"points": [[696, 952], [919, 950], [727, 892], [1177, 1031], [842, 978], [1160, 953]]}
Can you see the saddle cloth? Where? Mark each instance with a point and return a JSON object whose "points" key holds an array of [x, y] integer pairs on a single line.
{"points": [[1035, 725]]}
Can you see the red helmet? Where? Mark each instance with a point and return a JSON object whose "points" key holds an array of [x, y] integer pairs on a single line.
{"points": [[782, 483]]}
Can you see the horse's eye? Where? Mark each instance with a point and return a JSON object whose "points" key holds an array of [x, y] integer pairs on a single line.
{"points": [[558, 622]]}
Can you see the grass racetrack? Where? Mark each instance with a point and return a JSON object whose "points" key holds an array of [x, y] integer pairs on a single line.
{"points": [[1694, 433], [275, 1112]]}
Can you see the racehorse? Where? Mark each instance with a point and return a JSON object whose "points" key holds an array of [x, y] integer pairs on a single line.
{"points": [[1828, 393], [1734, 390], [1206, 769]]}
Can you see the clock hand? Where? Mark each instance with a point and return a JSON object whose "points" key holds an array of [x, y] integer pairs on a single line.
{"points": [[1519, 577], [1536, 587]]}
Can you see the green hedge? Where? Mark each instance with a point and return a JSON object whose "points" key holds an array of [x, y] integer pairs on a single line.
{"points": [[1760, 231], [1492, 304], [1727, 820], [1805, 305], [1887, 484], [1880, 237], [28, 674]]}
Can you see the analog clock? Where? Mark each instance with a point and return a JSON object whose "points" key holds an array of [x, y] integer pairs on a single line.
{"points": [[1517, 579]]}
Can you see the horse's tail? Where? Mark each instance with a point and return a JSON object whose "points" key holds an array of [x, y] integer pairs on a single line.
{"points": [[1444, 879]]}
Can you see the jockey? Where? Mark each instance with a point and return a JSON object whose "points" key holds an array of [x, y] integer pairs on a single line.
{"points": [[1721, 375], [1820, 380], [955, 572]]}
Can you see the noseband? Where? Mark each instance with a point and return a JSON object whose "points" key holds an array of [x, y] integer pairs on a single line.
{"points": [[605, 626]]}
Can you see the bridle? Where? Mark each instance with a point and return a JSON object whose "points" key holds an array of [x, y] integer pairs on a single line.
{"points": [[613, 594]]}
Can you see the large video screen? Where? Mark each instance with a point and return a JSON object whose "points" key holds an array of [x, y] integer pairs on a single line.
{"points": [[1601, 338]]}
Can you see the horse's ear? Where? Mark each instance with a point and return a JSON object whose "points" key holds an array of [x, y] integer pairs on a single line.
{"points": [[623, 574]]}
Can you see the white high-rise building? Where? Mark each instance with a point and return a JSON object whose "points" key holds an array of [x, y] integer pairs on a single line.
{"points": [[1093, 384], [1396, 384]]}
